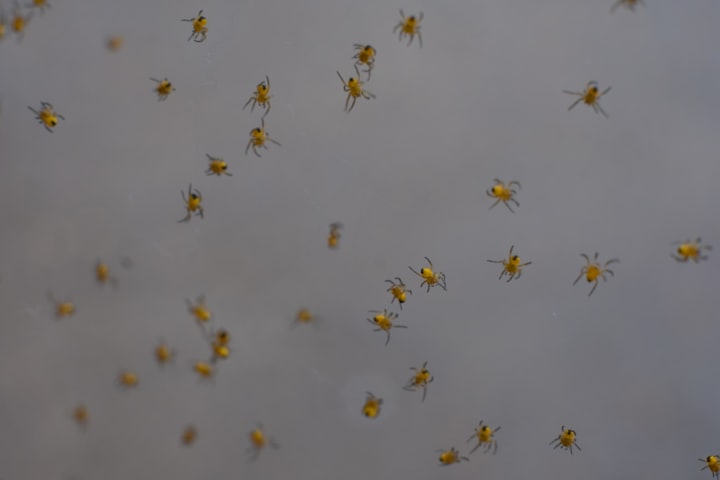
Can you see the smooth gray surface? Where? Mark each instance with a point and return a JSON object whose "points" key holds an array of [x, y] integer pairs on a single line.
{"points": [[633, 369]]}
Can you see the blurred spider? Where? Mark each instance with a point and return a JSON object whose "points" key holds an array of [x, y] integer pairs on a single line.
{"points": [[163, 89], [629, 4], [193, 204], [503, 193], [691, 250], [372, 406], [199, 25], [47, 116], [334, 236], [217, 166], [712, 463], [365, 56], [590, 96], [259, 441], [410, 27], [448, 457], [62, 309], [420, 379]]}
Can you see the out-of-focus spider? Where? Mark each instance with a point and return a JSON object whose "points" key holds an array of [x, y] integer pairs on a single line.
{"points": [[485, 436], [334, 236], [372, 406], [449, 457], [430, 277], [712, 463], [365, 56], [503, 193], [511, 266], [163, 89], [590, 96], [691, 250], [193, 204], [47, 116], [199, 25], [420, 379], [410, 27], [259, 441], [217, 166], [566, 440]]}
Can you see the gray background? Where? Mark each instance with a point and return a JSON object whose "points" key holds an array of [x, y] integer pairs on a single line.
{"points": [[633, 369]]}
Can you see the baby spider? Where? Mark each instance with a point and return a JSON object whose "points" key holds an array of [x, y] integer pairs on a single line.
{"points": [[383, 320], [430, 277], [217, 166], [258, 441], [114, 43], [127, 379], [354, 87], [20, 22], [189, 435], [590, 96], [199, 25], [691, 250], [566, 440], [39, 5], [261, 96], [80, 415], [163, 89], [334, 235], [503, 193], [410, 27], [259, 137], [47, 116], [303, 316], [62, 309], [420, 379], [593, 271], [372, 406], [219, 342], [102, 274], [192, 204], [712, 463], [3, 23], [629, 4], [204, 370], [163, 353], [365, 56], [485, 436], [512, 266], [448, 457], [399, 291], [198, 310]]}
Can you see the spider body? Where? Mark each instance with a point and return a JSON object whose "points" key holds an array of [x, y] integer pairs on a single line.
{"points": [[485, 436], [503, 193], [712, 463], [372, 406], [47, 116], [591, 96], [354, 87], [409, 27], [691, 250], [365, 56], [511, 266], [259, 441], [593, 271], [430, 277], [333, 239], [566, 440], [163, 88], [449, 457], [217, 166], [127, 379]]}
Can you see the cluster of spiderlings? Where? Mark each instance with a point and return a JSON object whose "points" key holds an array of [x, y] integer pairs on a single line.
{"points": [[258, 135], [354, 86], [17, 21]]}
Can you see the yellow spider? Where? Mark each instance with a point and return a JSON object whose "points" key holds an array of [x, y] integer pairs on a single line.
{"points": [[383, 320], [354, 87], [193, 204], [259, 137], [3, 23], [199, 25], [593, 271], [102, 274], [566, 440], [80, 415], [39, 5], [691, 250], [590, 96], [217, 166], [47, 116], [163, 89], [114, 43], [511, 266], [485, 436], [410, 27], [503, 193], [372, 406], [712, 463], [334, 235], [420, 379], [204, 369], [62, 309], [430, 277], [365, 56], [448, 457], [163, 353], [198, 310], [259, 441], [629, 4], [261, 96], [219, 343], [127, 379], [19, 23], [399, 291], [303, 316], [189, 435]]}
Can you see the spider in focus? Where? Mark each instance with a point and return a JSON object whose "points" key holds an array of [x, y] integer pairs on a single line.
{"points": [[410, 27], [261, 96], [485, 436], [354, 87], [420, 379], [691, 250], [511, 266], [199, 26], [258, 138], [503, 193], [399, 291], [163, 89], [592, 271], [193, 204], [566, 440], [383, 320], [47, 116], [430, 277], [590, 96]]}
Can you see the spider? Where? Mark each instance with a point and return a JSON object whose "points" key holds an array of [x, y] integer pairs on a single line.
{"points": [[593, 271], [430, 277], [354, 87], [258, 441], [258, 138], [503, 193], [383, 320], [261, 96], [448, 457], [193, 204], [199, 25], [410, 27], [217, 166], [163, 89], [485, 436], [365, 56], [399, 291], [47, 116], [712, 463], [420, 379], [590, 96], [691, 250], [371, 408], [334, 235], [566, 440], [512, 266]]}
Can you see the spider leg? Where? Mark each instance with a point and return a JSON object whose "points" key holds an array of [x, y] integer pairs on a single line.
{"points": [[424, 393], [187, 218], [419, 35], [255, 150], [48, 129], [412, 37], [574, 103], [496, 202], [508, 206], [605, 91], [274, 141], [388, 337], [601, 110], [594, 287]]}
